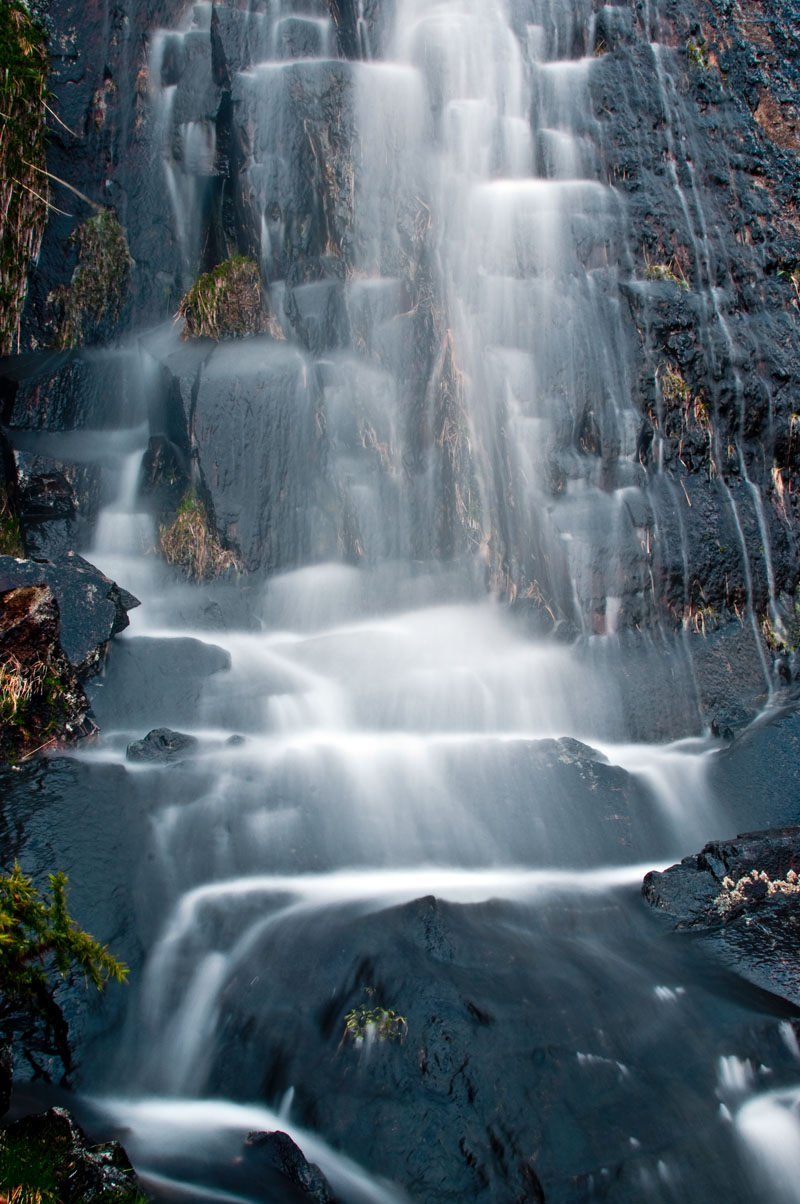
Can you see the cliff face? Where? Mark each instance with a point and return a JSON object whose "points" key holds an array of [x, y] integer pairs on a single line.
{"points": [[696, 109]]}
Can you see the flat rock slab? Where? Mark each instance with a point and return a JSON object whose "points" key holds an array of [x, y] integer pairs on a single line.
{"points": [[743, 896], [153, 682], [92, 606]]}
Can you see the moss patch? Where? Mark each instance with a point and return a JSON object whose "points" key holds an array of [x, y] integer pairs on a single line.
{"points": [[192, 544], [24, 193], [89, 306], [226, 303]]}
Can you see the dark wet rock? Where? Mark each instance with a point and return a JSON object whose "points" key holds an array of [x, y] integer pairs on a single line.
{"points": [[162, 744], [93, 608], [41, 699], [743, 895], [164, 477], [82, 1171], [255, 438], [57, 504], [149, 680], [276, 1152], [66, 390]]}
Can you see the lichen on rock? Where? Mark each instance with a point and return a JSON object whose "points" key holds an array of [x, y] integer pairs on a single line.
{"points": [[226, 303]]}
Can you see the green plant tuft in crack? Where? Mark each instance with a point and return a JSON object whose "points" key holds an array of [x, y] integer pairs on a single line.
{"points": [[383, 1023], [191, 543]]}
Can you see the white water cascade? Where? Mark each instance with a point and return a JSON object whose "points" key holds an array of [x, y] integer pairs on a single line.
{"points": [[423, 778]]}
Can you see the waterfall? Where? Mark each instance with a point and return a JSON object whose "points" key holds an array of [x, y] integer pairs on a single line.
{"points": [[443, 737]]}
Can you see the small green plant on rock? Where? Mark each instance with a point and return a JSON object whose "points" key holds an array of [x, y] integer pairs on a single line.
{"points": [[697, 53], [226, 303], [94, 297], [192, 544], [24, 196], [673, 386], [363, 1022], [670, 272]]}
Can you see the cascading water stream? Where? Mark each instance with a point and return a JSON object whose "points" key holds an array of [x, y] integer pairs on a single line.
{"points": [[385, 748]]}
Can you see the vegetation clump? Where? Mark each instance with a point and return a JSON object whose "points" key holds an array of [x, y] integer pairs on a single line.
{"points": [[24, 195], [673, 386], [697, 53], [92, 301], [47, 1160], [226, 303], [670, 272], [38, 937], [192, 544], [363, 1022]]}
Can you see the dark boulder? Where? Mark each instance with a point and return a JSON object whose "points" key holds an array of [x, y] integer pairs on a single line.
{"points": [[277, 1155], [162, 744], [743, 896], [92, 607], [41, 699], [68, 390]]}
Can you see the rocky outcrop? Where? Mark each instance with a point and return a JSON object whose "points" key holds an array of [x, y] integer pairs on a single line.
{"points": [[53, 1145], [41, 699], [92, 607], [280, 1163], [162, 744], [743, 897]]}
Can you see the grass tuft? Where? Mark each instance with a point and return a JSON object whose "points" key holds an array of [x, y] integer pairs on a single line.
{"points": [[192, 545]]}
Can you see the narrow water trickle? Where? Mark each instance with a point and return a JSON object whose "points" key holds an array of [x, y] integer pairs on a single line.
{"points": [[440, 744]]}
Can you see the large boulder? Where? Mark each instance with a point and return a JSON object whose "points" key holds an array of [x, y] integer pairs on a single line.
{"points": [[92, 607], [743, 896]]}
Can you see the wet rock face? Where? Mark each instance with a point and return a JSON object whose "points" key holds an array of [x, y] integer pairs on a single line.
{"points": [[100, 86], [743, 895], [41, 699], [698, 134]]}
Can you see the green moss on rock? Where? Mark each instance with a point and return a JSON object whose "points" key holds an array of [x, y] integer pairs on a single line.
{"points": [[24, 195], [226, 303], [89, 306]]}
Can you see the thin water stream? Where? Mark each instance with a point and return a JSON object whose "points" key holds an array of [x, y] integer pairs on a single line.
{"points": [[401, 796]]}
